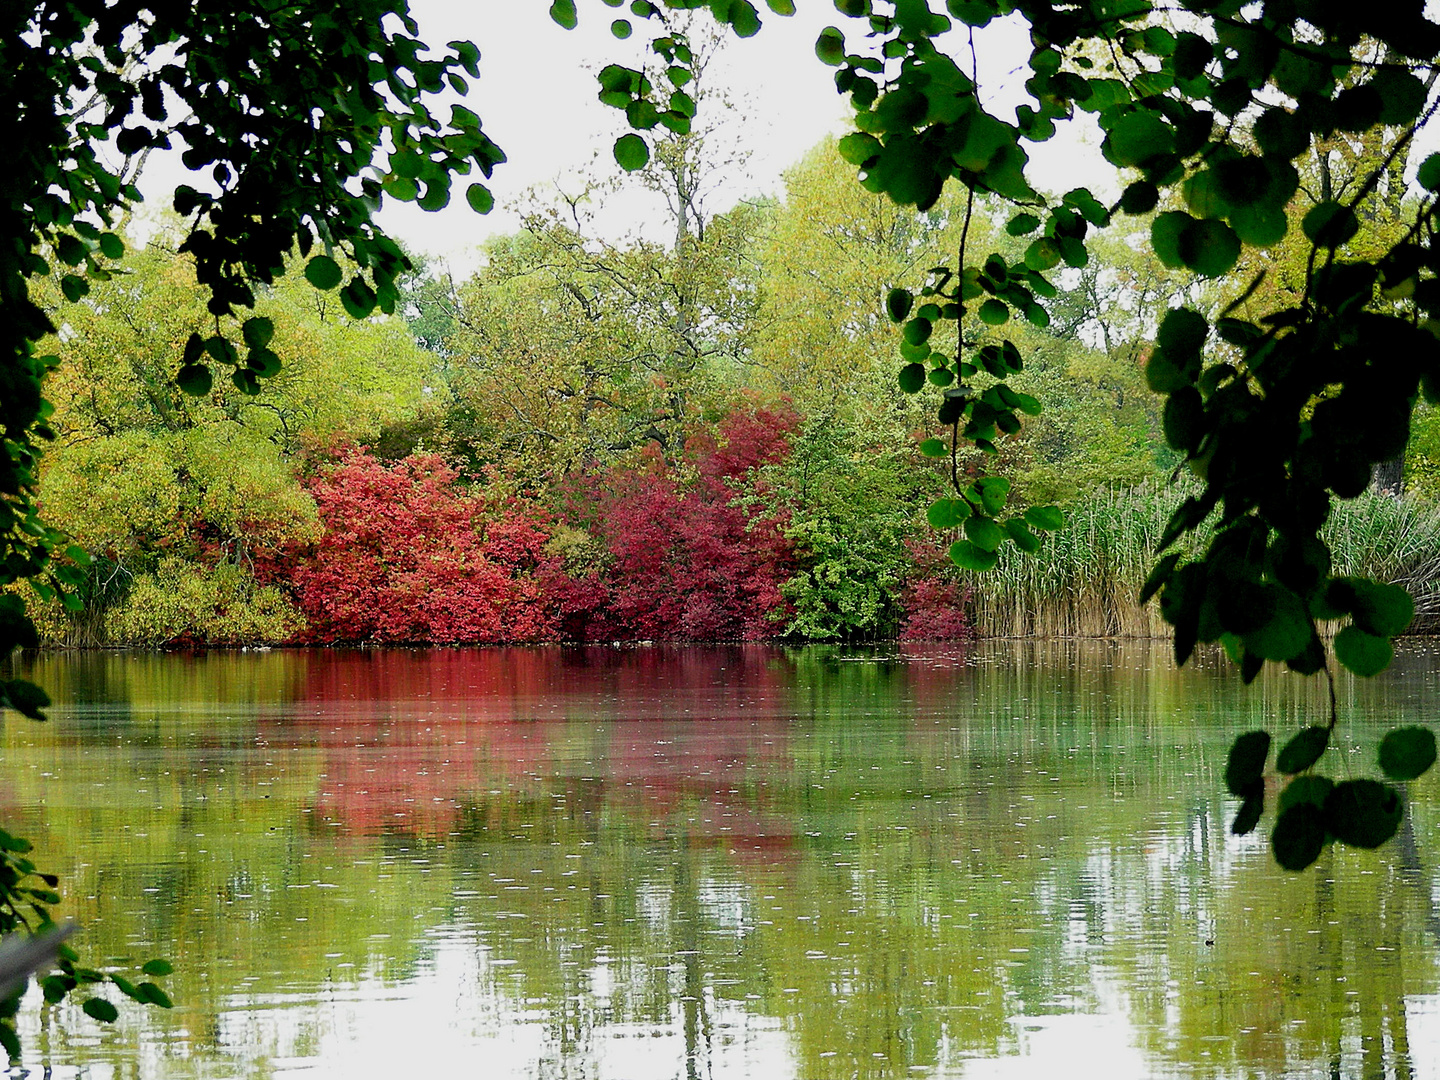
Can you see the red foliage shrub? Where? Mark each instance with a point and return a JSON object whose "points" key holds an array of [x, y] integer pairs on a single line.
{"points": [[405, 556], [688, 558], [934, 603]]}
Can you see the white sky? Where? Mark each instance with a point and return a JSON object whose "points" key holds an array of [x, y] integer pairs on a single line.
{"points": [[536, 97]]}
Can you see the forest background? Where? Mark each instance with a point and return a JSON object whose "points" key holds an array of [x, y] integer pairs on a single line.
{"points": [[696, 439]]}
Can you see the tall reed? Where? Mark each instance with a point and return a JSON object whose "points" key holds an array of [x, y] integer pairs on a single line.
{"points": [[1085, 580]]}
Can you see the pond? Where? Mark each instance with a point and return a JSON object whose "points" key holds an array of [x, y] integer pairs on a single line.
{"points": [[1008, 860]]}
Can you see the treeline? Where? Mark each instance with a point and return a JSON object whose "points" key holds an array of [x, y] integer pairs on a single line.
{"points": [[700, 439]]}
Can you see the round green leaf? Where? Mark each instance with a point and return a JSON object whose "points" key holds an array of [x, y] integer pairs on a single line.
{"points": [[1381, 609], [1407, 752], [1309, 788], [1330, 224], [100, 1009], [1043, 254], [898, 303], [1363, 813], [1138, 137], [195, 380], [1364, 654], [967, 556], [1022, 537], [994, 312], [358, 299], [1182, 332], [933, 448], [1022, 224], [479, 198], [620, 28], [1303, 750], [323, 272], [158, 967], [1210, 248], [1246, 763], [912, 378], [1048, 518], [631, 153], [830, 46], [1140, 197], [984, 532], [1299, 836], [947, 513], [1166, 233], [257, 332], [1428, 175]]}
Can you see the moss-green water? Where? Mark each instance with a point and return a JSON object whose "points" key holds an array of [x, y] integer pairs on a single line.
{"points": [[742, 862]]}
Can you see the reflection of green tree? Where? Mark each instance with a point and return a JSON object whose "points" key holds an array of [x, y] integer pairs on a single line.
{"points": [[888, 855]]}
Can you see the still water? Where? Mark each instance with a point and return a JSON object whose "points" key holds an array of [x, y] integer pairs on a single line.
{"points": [[1004, 861]]}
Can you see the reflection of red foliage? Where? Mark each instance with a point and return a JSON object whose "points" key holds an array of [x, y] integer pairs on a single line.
{"points": [[406, 556], [688, 561], [412, 740]]}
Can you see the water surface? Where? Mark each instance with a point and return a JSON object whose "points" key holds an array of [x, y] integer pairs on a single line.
{"points": [[739, 862]]}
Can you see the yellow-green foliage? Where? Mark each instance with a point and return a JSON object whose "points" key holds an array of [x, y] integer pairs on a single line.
{"points": [[219, 605]]}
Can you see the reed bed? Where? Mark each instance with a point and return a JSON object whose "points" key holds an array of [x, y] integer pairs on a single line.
{"points": [[1085, 580]]}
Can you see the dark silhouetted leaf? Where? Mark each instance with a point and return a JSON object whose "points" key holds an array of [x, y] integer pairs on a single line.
{"points": [[1246, 763], [1303, 750], [1406, 753]]}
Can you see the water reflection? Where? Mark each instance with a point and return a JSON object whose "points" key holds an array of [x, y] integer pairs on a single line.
{"points": [[733, 862]]}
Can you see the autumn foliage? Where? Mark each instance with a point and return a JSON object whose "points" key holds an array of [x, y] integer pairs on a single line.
{"points": [[409, 555]]}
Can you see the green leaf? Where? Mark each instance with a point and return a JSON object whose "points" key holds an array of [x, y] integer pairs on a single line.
{"points": [[194, 379], [1140, 197], [1303, 749], [631, 152], [154, 995], [1363, 813], [1364, 654], [1330, 224], [100, 1009], [912, 378], [1048, 518], [158, 967], [563, 12], [984, 532], [1182, 332], [358, 299], [480, 198], [323, 272], [898, 303], [830, 46], [264, 363], [994, 312], [1250, 811], [1022, 224], [257, 331], [1310, 788], [1023, 538], [1246, 763], [1406, 753], [111, 246], [967, 556], [1428, 175], [1299, 836], [1139, 137], [1210, 248], [621, 28], [858, 148], [933, 448], [947, 513], [1043, 254], [1381, 609]]}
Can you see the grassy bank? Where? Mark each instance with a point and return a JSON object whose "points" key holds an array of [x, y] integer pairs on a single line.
{"points": [[1085, 580]]}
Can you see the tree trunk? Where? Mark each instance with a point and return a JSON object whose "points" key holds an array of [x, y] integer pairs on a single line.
{"points": [[1388, 477]]}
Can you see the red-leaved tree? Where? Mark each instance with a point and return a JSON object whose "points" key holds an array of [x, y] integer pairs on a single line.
{"points": [[690, 556], [407, 556]]}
